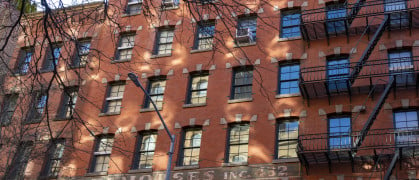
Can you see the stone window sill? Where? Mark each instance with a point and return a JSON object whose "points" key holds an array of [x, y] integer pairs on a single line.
{"points": [[145, 170], [169, 8], [62, 118], [120, 61], [128, 15], [96, 174], [19, 74], [194, 105], [278, 96], [234, 164], [150, 109], [200, 50], [289, 39], [109, 114], [186, 167], [285, 160], [160, 55], [231, 101], [48, 177], [245, 44]]}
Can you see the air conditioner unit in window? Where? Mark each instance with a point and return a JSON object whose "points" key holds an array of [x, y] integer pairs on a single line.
{"points": [[169, 3], [244, 36]]}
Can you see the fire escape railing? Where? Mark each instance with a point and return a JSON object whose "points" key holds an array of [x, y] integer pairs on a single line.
{"points": [[358, 16], [375, 139]]}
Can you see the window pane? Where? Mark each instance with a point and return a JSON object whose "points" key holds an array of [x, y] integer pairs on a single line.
{"points": [[248, 23], [291, 24], [340, 133]]}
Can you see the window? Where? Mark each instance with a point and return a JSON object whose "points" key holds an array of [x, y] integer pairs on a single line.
{"points": [[287, 138], [290, 24], [335, 15], [401, 67], [167, 4], [399, 16], [242, 83], [8, 108], [19, 162], [205, 35], [101, 156], [238, 140], [164, 42], [288, 79], [24, 61], [340, 133], [51, 59], [55, 155], [68, 102], [246, 30], [114, 97], [144, 153], [37, 107], [338, 74], [134, 7], [406, 127], [189, 153], [124, 51], [81, 54], [198, 84], [156, 86]]}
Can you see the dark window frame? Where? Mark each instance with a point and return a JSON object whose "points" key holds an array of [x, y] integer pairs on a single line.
{"points": [[37, 97], [108, 98], [288, 80], [181, 156], [67, 98], [287, 12], [52, 150], [408, 72], [277, 140], [234, 85], [228, 144], [208, 39], [96, 153], [80, 54], [22, 60], [339, 78], [240, 21], [7, 112], [133, 3], [18, 168], [190, 90], [120, 48], [339, 116], [158, 44], [138, 145], [50, 57], [151, 80], [338, 23]]}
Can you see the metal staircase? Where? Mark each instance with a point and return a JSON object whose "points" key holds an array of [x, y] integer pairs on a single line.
{"points": [[371, 45], [354, 11]]}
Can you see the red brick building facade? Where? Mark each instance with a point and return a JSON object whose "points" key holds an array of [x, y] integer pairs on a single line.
{"points": [[269, 90]]}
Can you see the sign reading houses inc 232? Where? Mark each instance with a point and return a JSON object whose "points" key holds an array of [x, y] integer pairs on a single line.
{"points": [[224, 173]]}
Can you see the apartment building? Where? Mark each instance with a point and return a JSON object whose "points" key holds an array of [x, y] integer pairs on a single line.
{"points": [[251, 90]]}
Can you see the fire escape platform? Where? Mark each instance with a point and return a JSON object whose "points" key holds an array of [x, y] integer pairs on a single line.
{"points": [[379, 146], [316, 25], [314, 82]]}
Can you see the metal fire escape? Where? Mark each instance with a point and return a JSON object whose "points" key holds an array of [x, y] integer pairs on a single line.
{"points": [[309, 150]]}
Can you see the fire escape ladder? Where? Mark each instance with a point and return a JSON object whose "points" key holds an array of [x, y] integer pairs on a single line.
{"points": [[354, 11], [392, 165], [373, 115], [373, 42]]}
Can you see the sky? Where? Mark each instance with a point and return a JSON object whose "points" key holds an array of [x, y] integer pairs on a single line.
{"points": [[56, 3]]}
